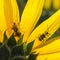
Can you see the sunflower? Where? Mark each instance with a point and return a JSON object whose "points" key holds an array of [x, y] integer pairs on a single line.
{"points": [[55, 4], [11, 22]]}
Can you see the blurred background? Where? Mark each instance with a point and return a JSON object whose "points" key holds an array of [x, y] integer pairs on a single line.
{"points": [[50, 6]]}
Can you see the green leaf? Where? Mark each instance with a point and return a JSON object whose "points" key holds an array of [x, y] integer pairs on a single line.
{"points": [[32, 57], [29, 47], [20, 40], [11, 41], [25, 48], [5, 37], [18, 50]]}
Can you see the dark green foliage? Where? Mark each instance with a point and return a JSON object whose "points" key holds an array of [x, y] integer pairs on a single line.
{"points": [[15, 51], [4, 53], [32, 56], [5, 38], [29, 48], [18, 50], [11, 41], [20, 41], [19, 59], [1, 45]]}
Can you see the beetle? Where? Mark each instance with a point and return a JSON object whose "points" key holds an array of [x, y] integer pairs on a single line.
{"points": [[17, 33], [41, 37]]}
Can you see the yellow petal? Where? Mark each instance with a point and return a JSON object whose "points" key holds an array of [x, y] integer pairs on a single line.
{"points": [[8, 15], [1, 37], [47, 4], [11, 14], [30, 16], [16, 16], [8, 12], [2, 17], [49, 26], [56, 4], [51, 47], [2, 20], [53, 56]]}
